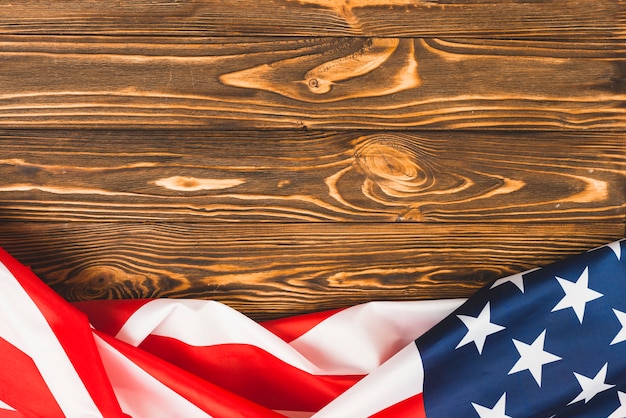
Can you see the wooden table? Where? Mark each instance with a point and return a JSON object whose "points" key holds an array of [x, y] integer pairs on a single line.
{"points": [[287, 156]]}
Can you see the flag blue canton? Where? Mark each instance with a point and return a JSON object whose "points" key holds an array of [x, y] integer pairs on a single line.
{"points": [[548, 342]]}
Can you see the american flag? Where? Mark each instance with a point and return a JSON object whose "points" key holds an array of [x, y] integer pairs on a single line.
{"points": [[551, 342], [548, 342]]}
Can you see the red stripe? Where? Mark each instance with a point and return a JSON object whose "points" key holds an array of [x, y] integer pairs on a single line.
{"points": [[213, 399], [293, 327], [22, 387], [252, 373], [73, 332], [5, 413], [249, 371], [110, 315], [411, 407]]}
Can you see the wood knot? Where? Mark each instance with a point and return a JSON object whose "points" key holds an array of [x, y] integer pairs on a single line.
{"points": [[392, 166], [319, 86], [372, 67], [101, 282]]}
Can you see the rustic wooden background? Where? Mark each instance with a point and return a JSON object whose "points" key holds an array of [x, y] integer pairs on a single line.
{"points": [[286, 156]]}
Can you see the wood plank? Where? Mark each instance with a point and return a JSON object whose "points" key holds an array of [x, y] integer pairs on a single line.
{"points": [[547, 18], [279, 176], [326, 83], [268, 270]]}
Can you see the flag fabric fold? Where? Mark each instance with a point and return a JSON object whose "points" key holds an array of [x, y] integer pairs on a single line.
{"points": [[547, 342]]}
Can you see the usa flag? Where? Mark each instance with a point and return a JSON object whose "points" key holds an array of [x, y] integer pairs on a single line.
{"points": [[549, 342], [546, 343]]}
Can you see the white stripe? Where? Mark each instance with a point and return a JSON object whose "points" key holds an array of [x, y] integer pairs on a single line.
{"points": [[361, 338], [204, 323], [26, 328], [353, 341], [139, 393], [401, 377], [4, 405]]}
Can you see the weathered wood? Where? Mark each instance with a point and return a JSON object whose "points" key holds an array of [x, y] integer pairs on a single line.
{"points": [[312, 176], [547, 18], [337, 83], [270, 270], [349, 202]]}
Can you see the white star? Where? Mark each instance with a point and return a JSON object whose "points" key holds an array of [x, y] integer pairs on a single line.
{"points": [[516, 279], [577, 294], [617, 249], [478, 328], [496, 412], [591, 387], [621, 335], [620, 412], [532, 357]]}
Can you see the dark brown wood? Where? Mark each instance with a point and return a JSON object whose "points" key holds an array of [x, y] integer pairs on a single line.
{"points": [[330, 83], [272, 270], [282, 176], [495, 18], [288, 156]]}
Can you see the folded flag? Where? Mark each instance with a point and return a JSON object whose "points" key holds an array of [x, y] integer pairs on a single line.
{"points": [[548, 342]]}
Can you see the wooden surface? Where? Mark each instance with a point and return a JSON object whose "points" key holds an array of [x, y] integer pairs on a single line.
{"points": [[295, 176], [549, 19], [311, 83], [271, 270], [291, 156]]}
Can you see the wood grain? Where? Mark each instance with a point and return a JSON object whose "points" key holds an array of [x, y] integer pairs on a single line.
{"points": [[269, 270], [473, 18], [316, 83], [289, 156], [279, 176]]}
